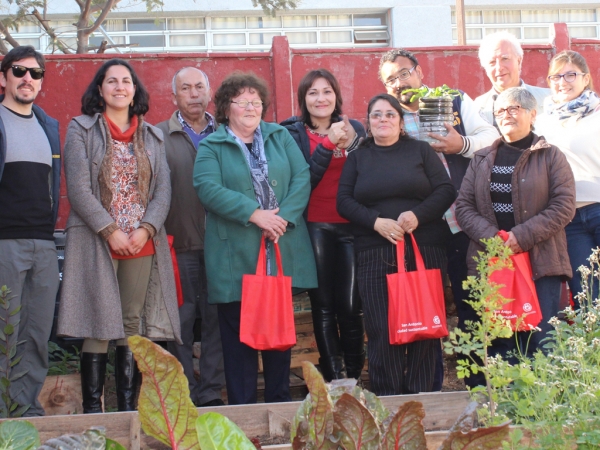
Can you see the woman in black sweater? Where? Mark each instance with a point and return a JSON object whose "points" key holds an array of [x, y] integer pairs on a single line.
{"points": [[392, 185], [325, 139]]}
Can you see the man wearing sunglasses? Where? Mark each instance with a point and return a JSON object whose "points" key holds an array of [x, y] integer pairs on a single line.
{"points": [[400, 70], [29, 190], [501, 55]]}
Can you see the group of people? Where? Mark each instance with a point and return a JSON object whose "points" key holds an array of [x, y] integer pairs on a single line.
{"points": [[337, 199]]}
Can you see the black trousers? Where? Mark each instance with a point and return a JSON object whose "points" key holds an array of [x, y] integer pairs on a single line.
{"points": [[336, 306], [394, 369], [241, 363]]}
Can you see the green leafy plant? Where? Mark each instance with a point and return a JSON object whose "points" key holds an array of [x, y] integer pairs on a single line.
{"points": [[62, 361], [92, 439], [344, 416], [18, 435], [426, 92], [166, 410], [217, 432], [486, 300], [8, 348], [556, 394]]}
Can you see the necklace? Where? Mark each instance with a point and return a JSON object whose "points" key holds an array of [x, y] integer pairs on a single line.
{"points": [[337, 152], [314, 132]]}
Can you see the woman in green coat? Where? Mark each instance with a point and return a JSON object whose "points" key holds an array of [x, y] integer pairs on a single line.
{"points": [[253, 181]]}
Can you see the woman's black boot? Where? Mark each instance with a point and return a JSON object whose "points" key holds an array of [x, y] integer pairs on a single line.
{"points": [[332, 367], [354, 364], [93, 371], [126, 378]]}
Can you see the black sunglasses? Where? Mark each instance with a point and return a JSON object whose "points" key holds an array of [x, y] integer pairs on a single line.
{"points": [[36, 72]]}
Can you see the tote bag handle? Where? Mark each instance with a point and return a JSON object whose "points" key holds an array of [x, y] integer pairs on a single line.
{"points": [[400, 253], [261, 264]]}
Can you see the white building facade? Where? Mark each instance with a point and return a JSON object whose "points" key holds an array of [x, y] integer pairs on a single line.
{"points": [[234, 25]]}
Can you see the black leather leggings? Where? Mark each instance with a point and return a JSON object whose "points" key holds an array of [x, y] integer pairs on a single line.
{"points": [[336, 306]]}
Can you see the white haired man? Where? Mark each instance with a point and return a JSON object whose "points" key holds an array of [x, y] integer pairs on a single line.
{"points": [[501, 55], [185, 221]]}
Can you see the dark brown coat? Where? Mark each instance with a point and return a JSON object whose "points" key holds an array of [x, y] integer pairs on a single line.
{"points": [[543, 195]]}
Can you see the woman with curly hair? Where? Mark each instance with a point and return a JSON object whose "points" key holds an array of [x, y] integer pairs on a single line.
{"points": [[253, 181]]}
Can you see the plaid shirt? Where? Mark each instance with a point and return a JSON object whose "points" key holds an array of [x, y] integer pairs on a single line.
{"points": [[411, 126], [197, 137]]}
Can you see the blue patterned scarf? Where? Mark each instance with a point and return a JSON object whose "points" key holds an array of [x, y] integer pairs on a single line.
{"points": [[259, 171], [584, 105]]}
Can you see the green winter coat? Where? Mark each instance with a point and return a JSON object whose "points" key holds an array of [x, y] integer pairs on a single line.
{"points": [[224, 185]]}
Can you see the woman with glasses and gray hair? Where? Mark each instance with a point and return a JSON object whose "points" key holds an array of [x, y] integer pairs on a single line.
{"points": [[524, 186], [571, 121], [253, 181]]}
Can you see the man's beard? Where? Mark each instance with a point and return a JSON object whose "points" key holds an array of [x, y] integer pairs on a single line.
{"points": [[24, 101]]}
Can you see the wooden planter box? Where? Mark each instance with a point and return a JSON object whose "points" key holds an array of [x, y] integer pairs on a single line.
{"points": [[262, 419]]}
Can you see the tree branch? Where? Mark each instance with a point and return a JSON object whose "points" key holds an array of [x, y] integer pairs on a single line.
{"points": [[105, 10], [50, 31], [85, 10], [7, 36], [3, 47]]}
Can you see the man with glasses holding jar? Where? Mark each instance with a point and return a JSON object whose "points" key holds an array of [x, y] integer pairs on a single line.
{"points": [[29, 190], [399, 70]]}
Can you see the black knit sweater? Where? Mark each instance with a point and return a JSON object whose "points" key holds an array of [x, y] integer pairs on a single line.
{"points": [[387, 181]]}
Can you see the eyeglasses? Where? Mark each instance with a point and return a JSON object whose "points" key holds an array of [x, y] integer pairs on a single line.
{"points": [[512, 110], [36, 73], [404, 74], [244, 103], [388, 115], [569, 77]]}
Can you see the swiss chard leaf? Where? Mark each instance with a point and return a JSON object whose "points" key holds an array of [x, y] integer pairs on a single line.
{"points": [[355, 425], [92, 439], [406, 429], [320, 417], [480, 439], [165, 408], [217, 432]]}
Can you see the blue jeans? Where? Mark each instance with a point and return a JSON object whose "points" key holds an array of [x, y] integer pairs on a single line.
{"points": [[548, 290], [583, 234]]}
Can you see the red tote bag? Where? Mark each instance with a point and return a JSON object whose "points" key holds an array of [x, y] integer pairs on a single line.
{"points": [[518, 285], [267, 317], [178, 289], [417, 310]]}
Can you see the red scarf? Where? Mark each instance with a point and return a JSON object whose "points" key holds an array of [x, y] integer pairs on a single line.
{"points": [[122, 136]]}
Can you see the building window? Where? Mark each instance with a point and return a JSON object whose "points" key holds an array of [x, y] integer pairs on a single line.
{"points": [[239, 33], [530, 26], [193, 23], [264, 22], [302, 38], [299, 21], [187, 40], [146, 24], [262, 38]]}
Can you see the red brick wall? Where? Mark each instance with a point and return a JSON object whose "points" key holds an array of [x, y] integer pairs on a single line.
{"points": [[282, 68]]}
